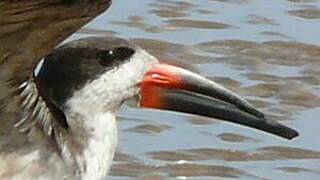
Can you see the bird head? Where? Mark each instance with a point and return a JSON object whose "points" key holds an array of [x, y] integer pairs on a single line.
{"points": [[96, 75]]}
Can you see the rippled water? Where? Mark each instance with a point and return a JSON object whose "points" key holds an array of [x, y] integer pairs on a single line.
{"points": [[267, 51]]}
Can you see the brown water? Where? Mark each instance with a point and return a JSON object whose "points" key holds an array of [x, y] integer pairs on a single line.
{"points": [[267, 51]]}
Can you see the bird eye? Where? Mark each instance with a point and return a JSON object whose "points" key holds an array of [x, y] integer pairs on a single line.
{"points": [[106, 58], [115, 56]]}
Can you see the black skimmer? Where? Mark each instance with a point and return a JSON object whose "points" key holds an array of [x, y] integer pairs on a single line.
{"points": [[69, 104]]}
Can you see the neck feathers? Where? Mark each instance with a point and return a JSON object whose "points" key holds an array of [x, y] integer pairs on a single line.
{"points": [[35, 110], [88, 145], [99, 137]]}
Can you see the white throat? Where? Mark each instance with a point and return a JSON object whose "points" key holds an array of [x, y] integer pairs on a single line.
{"points": [[97, 156]]}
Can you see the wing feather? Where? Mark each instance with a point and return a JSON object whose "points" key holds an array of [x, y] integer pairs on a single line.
{"points": [[30, 29]]}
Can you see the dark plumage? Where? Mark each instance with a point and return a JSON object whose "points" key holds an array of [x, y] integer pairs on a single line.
{"points": [[70, 67]]}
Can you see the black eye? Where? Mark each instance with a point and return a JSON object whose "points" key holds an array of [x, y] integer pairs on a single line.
{"points": [[115, 56]]}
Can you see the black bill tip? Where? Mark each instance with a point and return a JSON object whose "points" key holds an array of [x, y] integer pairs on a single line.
{"points": [[183, 101]]}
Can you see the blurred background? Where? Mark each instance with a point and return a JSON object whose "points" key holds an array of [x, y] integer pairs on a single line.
{"points": [[267, 51]]}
